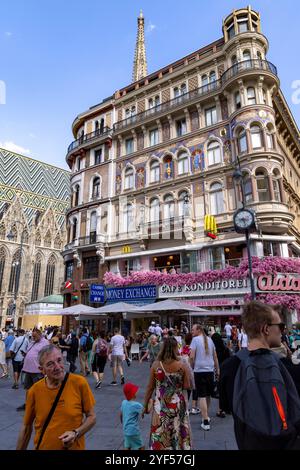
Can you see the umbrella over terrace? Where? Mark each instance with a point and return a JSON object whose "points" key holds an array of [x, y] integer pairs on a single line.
{"points": [[75, 310], [169, 305]]}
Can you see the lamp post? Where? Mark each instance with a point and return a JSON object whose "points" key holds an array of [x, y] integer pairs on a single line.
{"points": [[18, 265], [245, 225]]}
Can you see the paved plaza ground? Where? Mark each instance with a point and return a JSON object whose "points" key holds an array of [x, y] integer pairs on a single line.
{"points": [[107, 433]]}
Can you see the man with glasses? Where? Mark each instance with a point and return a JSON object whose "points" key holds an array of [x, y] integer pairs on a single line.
{"points": [[264, 328]]}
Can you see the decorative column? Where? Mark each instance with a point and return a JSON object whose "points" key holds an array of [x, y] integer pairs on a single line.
{"points": [[249, 143], [159, 127], [169, 117], [199, 109], [271, 189]]}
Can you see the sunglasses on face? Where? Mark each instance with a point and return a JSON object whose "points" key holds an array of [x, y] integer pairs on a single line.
{"points": [[281, 326]]}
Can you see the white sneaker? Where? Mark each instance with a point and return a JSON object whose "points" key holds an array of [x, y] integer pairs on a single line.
{"points": [[205, 424], [195, 411]]}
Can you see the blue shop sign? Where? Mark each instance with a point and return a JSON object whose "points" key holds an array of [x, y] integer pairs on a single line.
{"points": [[97, 293], [142, 294]]}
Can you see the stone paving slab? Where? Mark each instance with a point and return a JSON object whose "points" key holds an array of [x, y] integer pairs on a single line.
{"points": [[107, 433]]}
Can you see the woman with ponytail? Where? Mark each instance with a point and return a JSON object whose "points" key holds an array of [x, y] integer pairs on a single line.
{"points": [[205, 363]]}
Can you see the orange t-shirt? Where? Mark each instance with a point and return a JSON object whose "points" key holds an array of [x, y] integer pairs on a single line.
{"points": [[76, 400]]}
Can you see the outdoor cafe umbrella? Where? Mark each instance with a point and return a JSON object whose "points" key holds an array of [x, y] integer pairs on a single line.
{"points": [[169, 304], [75, 310]]}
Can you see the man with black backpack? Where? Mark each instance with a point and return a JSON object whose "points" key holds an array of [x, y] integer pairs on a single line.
{"points": [[257, 388], [86, 344]]}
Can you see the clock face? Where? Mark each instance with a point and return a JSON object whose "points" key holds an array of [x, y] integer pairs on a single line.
{"points": [[243, 219]]}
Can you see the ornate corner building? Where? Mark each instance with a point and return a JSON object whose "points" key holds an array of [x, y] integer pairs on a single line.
{"points": [[34, 197], [153, 159]]}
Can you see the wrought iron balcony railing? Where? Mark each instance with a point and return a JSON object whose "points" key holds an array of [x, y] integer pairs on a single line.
{"points": [[168, 105], [251, 64], [106, 131]]}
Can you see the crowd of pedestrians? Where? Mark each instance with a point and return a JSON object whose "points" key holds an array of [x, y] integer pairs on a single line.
{"points": [[187, 370]]}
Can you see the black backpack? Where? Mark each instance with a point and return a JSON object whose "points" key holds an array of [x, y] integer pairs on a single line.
{"points": [[88, 344], [266, 405]]}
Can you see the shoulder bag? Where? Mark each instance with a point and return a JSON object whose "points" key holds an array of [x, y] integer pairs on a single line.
{"points": [[52, 410]]}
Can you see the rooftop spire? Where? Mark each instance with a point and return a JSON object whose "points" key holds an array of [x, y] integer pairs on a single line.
{"points": [[140, 61]]}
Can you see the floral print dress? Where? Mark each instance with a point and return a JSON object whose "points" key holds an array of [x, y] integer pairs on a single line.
{"points": [[170, 427]]}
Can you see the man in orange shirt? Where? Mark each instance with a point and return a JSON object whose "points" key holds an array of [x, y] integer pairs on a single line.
{"points": [[67, 426]]}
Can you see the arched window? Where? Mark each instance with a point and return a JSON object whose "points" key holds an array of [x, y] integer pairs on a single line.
{"points": [[79, 160], [50, 273], [154, 210], [2, 266], [47, 239], [129, 178], [242, 141], [157, 100], [270, 138], [256, 137], [204, 81], [183, 89], [154, 171], [101, 125], [237, 100], [14, 278], [258, 55], [182, 203], [276, 185], [251, 95], [212, 76], [128, 220], [169, 207], [214, 153], [96, 188], [247, 58], [76, 195], [262, 183], [247, 187], [36, 278], [93, 227], [216, 199], [176, 92], [74, 232], [183, 164], [234, 60]]}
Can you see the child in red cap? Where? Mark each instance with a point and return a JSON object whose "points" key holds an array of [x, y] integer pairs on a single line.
{"points": [[130, 413]]}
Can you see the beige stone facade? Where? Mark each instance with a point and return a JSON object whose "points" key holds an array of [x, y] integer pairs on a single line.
{"points": [[177, 137]]}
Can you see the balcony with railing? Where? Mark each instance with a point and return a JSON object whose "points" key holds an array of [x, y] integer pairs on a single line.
{"points": [[165, 228], [248, 65], [168, 105], [189, 97], [91, 239], [89, 138]]}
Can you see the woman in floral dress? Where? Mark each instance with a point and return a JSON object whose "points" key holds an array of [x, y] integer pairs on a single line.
{"points": [[169, 377]]}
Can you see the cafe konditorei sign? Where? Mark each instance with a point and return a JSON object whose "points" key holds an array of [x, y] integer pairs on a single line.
{"points": [[226, 286]]}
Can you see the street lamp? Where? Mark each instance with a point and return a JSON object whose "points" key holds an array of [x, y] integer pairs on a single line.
{"points": [[18, 265], [244, 222]]}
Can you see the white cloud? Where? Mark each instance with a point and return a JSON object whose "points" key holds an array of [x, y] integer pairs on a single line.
{"points": [[32, 135], [150, 27], [8, 33], [14, 148]]}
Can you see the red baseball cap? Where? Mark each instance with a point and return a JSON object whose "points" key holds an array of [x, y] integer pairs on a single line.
{"points": [[130, 390]]}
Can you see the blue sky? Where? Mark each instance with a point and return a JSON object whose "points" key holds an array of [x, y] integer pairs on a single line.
{"points": [[58, 58]]}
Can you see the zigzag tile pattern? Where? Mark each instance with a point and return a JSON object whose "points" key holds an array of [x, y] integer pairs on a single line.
{"points": [[33, 176], [38, 185]]}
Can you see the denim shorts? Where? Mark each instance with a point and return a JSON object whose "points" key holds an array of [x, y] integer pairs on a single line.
{"points": [[133, 442]]}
